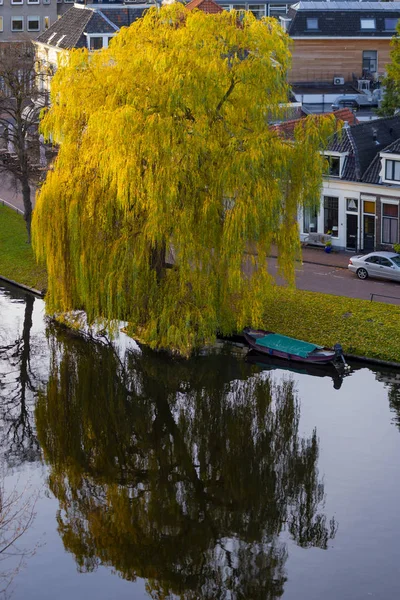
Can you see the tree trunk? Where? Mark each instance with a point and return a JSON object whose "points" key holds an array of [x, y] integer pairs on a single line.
{"points": [[26, 196], [157, 260]]}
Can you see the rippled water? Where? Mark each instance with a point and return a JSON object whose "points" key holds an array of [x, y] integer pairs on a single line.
{"points": [[210, 478]]}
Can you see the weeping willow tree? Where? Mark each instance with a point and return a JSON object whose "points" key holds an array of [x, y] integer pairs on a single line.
{"points": [[166, 160]]}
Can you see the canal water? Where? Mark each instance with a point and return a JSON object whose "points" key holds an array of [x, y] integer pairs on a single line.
{"points": [[134, 476]]}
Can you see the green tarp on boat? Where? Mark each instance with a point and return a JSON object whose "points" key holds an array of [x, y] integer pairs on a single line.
{"points": [[287, 344]]}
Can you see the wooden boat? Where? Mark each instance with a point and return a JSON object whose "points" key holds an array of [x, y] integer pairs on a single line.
{"points": [[281, 346]]}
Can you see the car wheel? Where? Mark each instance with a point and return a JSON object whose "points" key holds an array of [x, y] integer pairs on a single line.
{"points": [[362, 273]]}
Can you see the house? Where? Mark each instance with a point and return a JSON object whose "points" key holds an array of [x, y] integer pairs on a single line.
{"points": [[21, 20], [83, 26], [208, 6], [340, 42], [361, 193]]}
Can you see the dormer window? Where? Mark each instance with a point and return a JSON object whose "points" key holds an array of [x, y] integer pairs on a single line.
{"points": [[392, 170], [312, 24], [335, 164], [368, 24]]}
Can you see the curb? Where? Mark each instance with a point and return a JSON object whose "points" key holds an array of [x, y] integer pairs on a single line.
{"points": [[374, 361], [315, 262], [23, 287]]}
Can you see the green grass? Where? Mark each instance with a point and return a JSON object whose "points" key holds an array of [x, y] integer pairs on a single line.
{"points": [[364, 328], [16, 256]]}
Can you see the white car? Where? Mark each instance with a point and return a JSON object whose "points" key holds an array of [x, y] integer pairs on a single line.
{"points": [[385, 265]]}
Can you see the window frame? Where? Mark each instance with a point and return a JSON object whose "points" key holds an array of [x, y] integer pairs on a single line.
{"points": [[328, 218], [390, 19], [308, 24], [36, 18], [370, 58], [341, 156], [390, 177], [19, 19], [364, 27], [393, 220]]}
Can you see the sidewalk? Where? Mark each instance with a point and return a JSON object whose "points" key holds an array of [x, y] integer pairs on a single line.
{"points": [[318, 256]]}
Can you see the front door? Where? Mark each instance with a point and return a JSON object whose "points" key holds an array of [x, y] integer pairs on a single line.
{"points": [[369, 232], [351, 235]]}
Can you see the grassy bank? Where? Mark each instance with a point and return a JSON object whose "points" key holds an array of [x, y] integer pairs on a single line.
{"points": [[364, 328], [16, 256]]}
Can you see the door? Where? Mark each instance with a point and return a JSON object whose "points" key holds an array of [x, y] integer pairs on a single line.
{"points": [[369, 232], [387, 269], [351, 232]]}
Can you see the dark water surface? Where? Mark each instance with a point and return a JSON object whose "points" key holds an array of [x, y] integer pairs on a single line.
{"points": [[210, 478]]}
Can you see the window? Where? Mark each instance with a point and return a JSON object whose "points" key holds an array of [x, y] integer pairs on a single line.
{"points": [[385, 262], [367, 23], [33, 1], [331, 215], [370, 61], [17, 23], [310, 220], [392, 171], [17, 1], [33, 23], [276, 10], [369, 207], [390, 223], [390, 24], [95, 43], [1, 23], [312, 24], [374, 260], [333, 165], [258, 10], [351, 204]]}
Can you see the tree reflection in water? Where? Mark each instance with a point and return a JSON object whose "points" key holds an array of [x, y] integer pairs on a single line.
{"points": [[183, 473]]}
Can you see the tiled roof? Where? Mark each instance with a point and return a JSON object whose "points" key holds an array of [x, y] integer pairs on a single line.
{"points": [[346, 114], [363, 142], [287, 127], [342, 19], [69, 31], [207, 6], [371, 175]]}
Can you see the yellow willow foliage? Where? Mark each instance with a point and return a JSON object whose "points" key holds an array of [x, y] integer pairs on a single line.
{"points": [[165, 148]]}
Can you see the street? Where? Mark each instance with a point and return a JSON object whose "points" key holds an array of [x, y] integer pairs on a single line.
{"points": [[341, 282]]}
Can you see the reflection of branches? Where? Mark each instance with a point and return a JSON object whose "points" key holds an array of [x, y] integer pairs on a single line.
{"points": [[17, 513], [180, 472], [18, 433]]}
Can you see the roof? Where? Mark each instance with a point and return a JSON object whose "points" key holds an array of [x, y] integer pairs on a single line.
{"points": [[342, 19], [372, 174], [363, 143], [287, 127], [207, 6], [70, 30]]}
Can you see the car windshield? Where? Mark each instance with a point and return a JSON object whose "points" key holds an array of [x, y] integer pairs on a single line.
{"points": [[396, 260]]}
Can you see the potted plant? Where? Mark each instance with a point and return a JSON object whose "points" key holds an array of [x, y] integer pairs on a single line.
{"points": [[396, 248], [328, 246]]}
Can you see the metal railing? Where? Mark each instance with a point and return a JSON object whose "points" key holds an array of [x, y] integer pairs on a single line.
{"points": [[5, 203], [383, 296]]}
